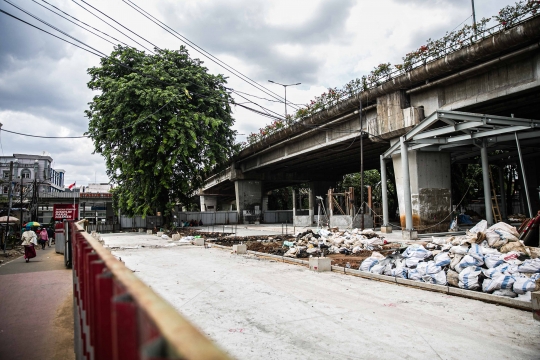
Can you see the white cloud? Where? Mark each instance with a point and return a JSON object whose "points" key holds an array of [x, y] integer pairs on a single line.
{"points": [[320, 43]]}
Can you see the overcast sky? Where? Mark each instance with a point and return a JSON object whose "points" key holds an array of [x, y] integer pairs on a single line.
{"points": [[320, 43]]}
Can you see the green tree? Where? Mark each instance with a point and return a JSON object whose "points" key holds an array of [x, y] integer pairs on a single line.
{"points": [[161, 122]]}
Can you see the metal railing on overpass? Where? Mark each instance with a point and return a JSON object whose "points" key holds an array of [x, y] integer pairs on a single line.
{"points": [[117, 316]]}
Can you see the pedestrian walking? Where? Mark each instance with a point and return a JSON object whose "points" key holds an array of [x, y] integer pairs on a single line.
{"points": [[50, 232], [29, 240], [44, 238]]}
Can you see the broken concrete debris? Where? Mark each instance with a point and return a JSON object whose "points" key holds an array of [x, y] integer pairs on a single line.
{"points": [[333, 241], [492, 260]]}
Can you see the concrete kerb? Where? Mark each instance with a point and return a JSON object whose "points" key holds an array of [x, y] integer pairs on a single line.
{"points": [[444, 289]]}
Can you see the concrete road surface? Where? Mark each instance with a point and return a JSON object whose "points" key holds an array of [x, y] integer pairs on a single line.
{"points": [[263, 309], [36, 308]]}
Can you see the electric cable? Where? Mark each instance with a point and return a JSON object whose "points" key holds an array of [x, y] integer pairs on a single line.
{"points": [[261, 98], [136, 42], [54, 27], [131, 31], [202, 51], [102, 54], [45, 31], [71, 21], [82, 22], [44, 137]]}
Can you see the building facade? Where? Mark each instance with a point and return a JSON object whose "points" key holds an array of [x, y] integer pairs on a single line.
{"points": [[35, 169]]}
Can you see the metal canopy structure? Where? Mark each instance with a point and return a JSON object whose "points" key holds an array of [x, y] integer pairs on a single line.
{"points": [[464, 135]]}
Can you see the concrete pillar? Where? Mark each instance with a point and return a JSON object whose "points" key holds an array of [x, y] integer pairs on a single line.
{"points": [[312, 202], [485, 180], [265, 203], [208, 202], [430, 188], [406, 182], [385, 227], [248, 196]]}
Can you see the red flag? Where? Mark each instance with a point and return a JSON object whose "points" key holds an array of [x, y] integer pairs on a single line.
{"points": [[72, 185]]}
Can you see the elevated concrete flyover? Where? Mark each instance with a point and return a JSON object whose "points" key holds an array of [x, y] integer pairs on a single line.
{"points": [[499, 74]]}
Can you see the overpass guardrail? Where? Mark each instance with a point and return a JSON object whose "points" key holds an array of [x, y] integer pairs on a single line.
{"points": [[117, 316]]}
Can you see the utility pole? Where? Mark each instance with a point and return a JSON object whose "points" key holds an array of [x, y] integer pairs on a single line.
{"points": [[474, 19], [10, 193], [21, 219], [285, 86], [37, 198], [361, 169]]}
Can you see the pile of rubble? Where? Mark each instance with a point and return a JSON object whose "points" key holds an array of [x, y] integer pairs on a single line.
{"points": [[492, 260], [333, 241]]}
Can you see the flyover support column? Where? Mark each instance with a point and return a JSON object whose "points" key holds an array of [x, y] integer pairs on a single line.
{"points": [[208, 202], [429, 184], [385, 227], [408, 232], [248, 199], [485, 180]]}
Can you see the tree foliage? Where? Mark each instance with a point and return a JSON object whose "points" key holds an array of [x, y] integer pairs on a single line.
{"points": [[161, 122]]}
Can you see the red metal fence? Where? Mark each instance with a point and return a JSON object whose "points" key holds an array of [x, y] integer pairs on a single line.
{"points": [[117, 316]]}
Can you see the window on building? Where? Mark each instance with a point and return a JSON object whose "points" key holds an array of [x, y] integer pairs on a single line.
{"points": [[5, 174], [25, 174], [5, 190]]}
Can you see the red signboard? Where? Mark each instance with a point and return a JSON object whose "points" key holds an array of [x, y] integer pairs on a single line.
{"points": [[65, 211]]}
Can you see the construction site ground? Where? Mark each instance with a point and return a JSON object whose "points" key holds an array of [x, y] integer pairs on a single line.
{"points": [[261, 308]]}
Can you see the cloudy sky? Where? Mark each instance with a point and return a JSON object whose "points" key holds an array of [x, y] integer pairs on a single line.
{"points": [[319, 43]]}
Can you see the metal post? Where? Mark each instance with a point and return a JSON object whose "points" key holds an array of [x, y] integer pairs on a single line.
{"points": [[384, 191], [21, 219], [285, 86], [406, 184], [524, 177], [361, 169], [485, 178], [504, 214], [10, 193], [474, 19]]}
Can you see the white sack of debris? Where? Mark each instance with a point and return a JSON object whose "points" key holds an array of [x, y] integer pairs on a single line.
{"points": [[492, 260]]}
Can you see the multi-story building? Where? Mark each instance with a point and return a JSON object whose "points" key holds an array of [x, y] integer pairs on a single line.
{"points": [[36, 169]]}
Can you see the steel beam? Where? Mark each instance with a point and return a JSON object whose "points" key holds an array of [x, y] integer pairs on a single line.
{"points": [[384, 191], [504, 215], [485, 180], [524, 177]]}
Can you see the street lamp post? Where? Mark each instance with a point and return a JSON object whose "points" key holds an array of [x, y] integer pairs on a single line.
{"points": [[285, 86]]}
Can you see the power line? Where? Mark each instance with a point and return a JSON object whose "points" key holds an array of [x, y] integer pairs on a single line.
{"points": [[44, 137], [71, 21], [136, 42], [201, 50], [261, 98], [52, 26], [82, 22], [45, 31], [131, 31], [121, 64]]}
